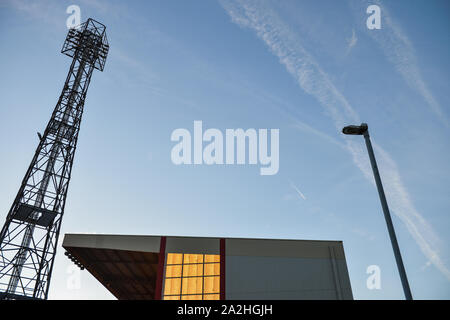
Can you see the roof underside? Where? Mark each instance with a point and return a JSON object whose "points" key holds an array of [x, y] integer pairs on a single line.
{"points": [[128, 275]]}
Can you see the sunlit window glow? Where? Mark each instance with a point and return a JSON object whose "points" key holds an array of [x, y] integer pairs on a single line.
{"points": [[192, 277]]}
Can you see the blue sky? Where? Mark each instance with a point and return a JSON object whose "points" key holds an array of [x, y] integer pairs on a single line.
{"points": [[306, 68]]}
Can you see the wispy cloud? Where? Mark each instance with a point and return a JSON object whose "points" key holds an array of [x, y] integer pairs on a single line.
{"points": [[105, 8], [286, 45], [300, 194], [299, 63], [363, 233], [309, 129], [44, 10], [54, 12], [401, 203], [426, 265], [399, 50], [352, 41]]}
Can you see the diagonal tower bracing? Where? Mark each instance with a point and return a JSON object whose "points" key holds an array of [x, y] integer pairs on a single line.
{"points": [[29, 237]]}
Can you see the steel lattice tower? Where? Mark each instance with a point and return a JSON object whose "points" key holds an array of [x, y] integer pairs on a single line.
{"points": [[29, 237]]}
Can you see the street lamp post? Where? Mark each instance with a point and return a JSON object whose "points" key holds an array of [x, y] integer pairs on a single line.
{"points": [[364, 130]]}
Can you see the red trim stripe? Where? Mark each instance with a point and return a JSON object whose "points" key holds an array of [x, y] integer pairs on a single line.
{"points": [[222, 269], [160, 274]]}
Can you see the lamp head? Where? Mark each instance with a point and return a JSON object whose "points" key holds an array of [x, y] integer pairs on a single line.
{"points": [[355, 130]]}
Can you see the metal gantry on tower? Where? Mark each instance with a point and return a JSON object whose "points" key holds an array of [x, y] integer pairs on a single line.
{"points": [[29, 237]]}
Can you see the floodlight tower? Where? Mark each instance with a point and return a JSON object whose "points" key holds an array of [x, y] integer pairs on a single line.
{"points": [[29, 237]]}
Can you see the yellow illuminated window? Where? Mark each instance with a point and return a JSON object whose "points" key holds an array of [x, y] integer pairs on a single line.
{"points": [[192, 277]]}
